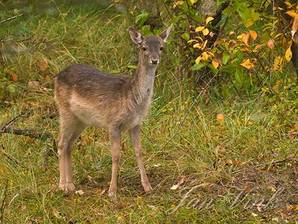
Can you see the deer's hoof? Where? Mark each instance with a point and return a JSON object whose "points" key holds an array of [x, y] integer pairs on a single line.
{"points": [[67, 187], [147, 188]]}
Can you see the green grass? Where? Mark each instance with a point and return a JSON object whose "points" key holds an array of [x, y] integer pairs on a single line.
{"points": [[253, 149]]}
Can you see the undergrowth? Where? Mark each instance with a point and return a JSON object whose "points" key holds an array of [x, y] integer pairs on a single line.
{"points": [[251, 147]]}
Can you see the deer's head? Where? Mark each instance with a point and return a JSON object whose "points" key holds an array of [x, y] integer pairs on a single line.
{"points": [[150, 47]]}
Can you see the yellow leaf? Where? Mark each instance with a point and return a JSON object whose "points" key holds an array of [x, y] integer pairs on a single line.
{"points": [[253, 34], [245, 38], [192, 2], [289, 5], [209, 18], [215, 63], [199, 28], [247, 64], [288, 54], [205, 31], [292, 13], [277, 65], [220, 117], [197, 45], [177, 4], [205, 56], [198, 60]]}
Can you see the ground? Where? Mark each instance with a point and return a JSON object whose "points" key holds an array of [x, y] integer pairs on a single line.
{"points": [[210, 159]]}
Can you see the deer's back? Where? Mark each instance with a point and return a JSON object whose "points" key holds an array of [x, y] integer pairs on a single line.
{"points": [[96, 98]]}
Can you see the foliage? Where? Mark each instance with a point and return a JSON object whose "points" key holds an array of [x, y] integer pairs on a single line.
{"points": [[218, 140], [244, 44]]}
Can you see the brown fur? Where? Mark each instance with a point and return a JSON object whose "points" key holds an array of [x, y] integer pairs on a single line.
{"points": [[88, 97]]}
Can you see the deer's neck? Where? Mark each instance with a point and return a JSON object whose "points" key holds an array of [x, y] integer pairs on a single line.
{"points": [[143, 81]]}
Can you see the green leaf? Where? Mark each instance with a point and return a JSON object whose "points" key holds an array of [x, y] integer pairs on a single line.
{"points": [[197, 67], [225, 58], [142, 18], [185, 36]]}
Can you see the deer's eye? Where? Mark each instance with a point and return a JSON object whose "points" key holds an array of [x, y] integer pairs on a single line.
{"points": [[161, 48], [144, 48]]}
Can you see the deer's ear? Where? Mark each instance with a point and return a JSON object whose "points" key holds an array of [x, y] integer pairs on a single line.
{"points": [[165, 34], [135, 36]]}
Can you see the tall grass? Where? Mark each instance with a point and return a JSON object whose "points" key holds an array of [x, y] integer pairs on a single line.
{"points": [[181, 137]]}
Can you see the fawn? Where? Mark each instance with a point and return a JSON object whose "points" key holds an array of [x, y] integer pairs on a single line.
{"points": [[88, 97]]}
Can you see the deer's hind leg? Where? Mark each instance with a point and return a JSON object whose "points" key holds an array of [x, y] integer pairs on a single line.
{"points": [[70, 129]]}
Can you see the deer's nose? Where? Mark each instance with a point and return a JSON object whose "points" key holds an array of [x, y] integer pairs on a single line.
{"points": [[154, 61]]}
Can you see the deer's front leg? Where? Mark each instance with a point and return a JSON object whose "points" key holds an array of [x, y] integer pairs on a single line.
{"points": [[115, 137], [136, 142]]}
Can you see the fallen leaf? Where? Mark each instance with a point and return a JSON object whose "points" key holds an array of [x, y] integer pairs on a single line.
{"points": [[33, 84], [288, 54], [247, 64], [43, 64], [253, 34], [293, 207], [180, 182], [215, 63], [14, 77], [220, 117], [270, 44], [292, 13], [245, 38], [80, 192]]}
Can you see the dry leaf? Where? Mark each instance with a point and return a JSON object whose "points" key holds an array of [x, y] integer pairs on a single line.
{"points": [[43, 64], [14, 77], [270, 44], [33, 84], [215, 63], [245, 38], [180, 182], [247, 64], [80, 192], [292, 13], [288, 54], [220, 117], [253, 34]]}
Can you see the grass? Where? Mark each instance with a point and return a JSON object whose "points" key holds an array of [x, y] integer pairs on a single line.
{"points": [[227, 167]]}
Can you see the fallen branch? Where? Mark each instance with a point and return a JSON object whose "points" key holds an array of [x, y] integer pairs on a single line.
{"points": [[29, 133], [26, 132], [11, 18]]}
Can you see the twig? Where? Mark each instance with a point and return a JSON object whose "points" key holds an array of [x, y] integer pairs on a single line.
{"points": [[2, 208], [7, 124], [10, 157], [27, 132], [11, 18]]}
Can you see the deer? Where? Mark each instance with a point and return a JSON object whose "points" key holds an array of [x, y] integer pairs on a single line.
{"points": [[88, 97]]}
